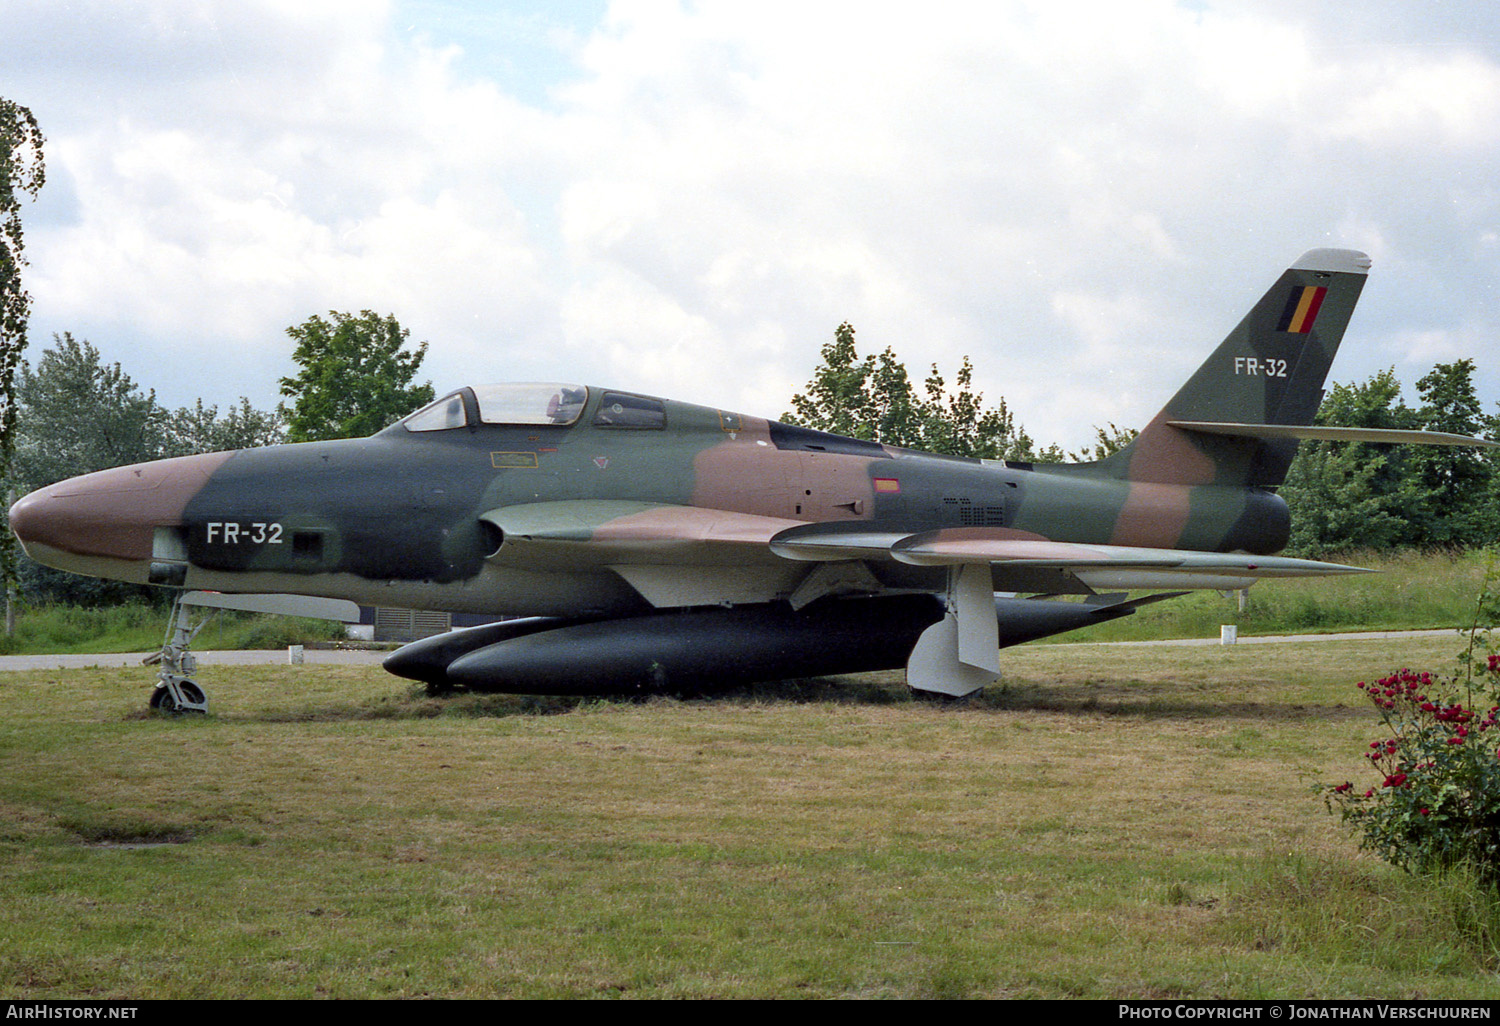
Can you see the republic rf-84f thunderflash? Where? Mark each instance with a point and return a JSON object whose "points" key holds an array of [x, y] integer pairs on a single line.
{"points": [[655, 545]]}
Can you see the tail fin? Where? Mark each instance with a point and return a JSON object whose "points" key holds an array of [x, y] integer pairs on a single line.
{"points": [[1269, 370]]}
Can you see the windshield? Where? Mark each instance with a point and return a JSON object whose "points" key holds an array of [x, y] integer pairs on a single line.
{"points": [[447, 412]]}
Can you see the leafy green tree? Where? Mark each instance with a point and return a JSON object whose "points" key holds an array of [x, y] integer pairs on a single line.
{"points": [[1455, 481], [1338, 502], [896, 414], [1376, 496], [956, 421], [1106, 443], [838, 397], [77, 415], [1355, 495], [873, 398], [199, 428], [1489, 526], [81, 415], [356, 377], [22, 170]]}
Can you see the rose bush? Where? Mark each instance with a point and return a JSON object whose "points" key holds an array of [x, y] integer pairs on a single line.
{"points": [[1434, 800]]}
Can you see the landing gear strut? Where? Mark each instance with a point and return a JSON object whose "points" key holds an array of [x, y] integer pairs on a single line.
{"points": [[176, 693]]}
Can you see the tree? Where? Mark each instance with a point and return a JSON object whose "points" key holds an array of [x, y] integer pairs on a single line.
{"points": [[1106, 444], [1346, 495], [21, 170], [1456, 481], [81, 415], [838, 397], [1374, 496], [355, 379], [1338, 503], [200, 429], [958, 423], [873, 398], [896, 412]]}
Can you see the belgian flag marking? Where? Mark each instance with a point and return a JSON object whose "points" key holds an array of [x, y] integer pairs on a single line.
{"points": [[1302, 309]]}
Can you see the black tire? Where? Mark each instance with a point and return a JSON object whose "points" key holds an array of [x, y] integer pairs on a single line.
{"points": [[163, 702]]}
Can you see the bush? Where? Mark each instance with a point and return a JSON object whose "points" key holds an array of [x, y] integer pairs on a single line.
{"points": [[1437, 801]]}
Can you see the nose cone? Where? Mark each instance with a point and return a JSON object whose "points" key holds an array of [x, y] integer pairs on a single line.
{"points": [[104, 524]]}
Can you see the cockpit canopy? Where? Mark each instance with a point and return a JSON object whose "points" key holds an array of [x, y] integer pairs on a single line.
{"points": [[528, 403]]}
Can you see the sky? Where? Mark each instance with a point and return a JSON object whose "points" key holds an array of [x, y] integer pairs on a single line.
{"points": [[687, 199]]}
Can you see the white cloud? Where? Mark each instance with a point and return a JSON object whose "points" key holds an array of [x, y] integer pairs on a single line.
{"points": [[1084, 197], [1449, 102]]}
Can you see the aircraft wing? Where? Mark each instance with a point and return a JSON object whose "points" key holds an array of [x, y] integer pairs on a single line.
{"points": [[644, 541], [1020, 558]]}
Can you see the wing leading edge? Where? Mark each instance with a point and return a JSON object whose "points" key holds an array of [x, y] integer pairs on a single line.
{"points": [[1098, 566], [618, 534]]}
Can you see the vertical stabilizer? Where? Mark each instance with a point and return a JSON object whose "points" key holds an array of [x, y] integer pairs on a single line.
{"points": [[1269, 370]]}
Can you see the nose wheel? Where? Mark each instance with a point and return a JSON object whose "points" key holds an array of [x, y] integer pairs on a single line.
{"points": [[185, 697], [175, 692]]}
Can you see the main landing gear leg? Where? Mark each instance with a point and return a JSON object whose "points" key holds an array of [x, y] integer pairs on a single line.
{"points": [[176, 693]]}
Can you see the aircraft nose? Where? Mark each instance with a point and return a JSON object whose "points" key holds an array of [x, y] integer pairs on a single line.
{"points": [[109, 515]]}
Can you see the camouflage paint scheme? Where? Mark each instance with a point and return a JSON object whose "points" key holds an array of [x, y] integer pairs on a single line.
{"points": [[642, 509]]}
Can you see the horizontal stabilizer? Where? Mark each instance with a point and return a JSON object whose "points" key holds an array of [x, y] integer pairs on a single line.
{"points": [[1315, 432]]}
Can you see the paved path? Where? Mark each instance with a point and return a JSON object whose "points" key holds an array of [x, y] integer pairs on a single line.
{"points": [[1272, 639], [367, 657], [263, 657]]}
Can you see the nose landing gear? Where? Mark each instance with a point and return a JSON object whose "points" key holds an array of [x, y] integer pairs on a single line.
{"points": [[175, 692]]}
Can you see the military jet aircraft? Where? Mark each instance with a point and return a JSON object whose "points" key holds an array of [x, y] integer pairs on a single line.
{"points": [[650, 544]]}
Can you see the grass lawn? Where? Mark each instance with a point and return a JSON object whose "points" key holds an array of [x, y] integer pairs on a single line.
{"points": [[1111, 822]]}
